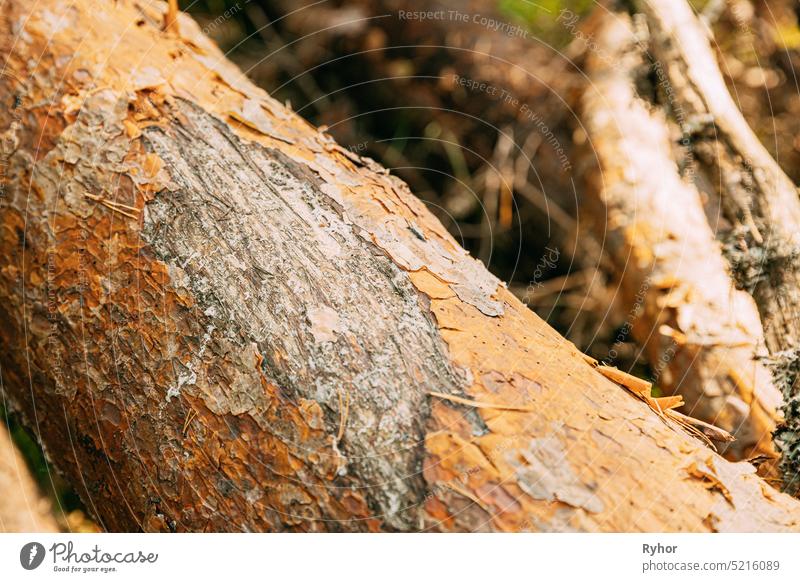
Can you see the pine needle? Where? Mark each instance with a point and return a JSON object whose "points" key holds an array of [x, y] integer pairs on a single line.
{"points": [[477, 404], [124, 209], [344, 413], [710, 431], [189, 418], [463, 492]]}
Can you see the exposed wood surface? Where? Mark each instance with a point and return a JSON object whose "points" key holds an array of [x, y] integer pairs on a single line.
{"points": [[246, 334]]}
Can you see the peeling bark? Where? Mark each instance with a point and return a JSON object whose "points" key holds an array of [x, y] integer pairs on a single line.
{"points": [[521, 75], [755, 195], [242, 326], [703, 337]]}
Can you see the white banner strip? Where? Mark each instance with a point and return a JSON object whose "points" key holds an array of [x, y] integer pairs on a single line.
{"points": [[409, 557]]}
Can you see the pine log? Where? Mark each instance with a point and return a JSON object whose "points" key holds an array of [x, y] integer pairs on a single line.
{"points": [[221, 320]]}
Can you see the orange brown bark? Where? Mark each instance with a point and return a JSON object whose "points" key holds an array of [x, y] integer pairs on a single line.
{"points": [[241, 326]]}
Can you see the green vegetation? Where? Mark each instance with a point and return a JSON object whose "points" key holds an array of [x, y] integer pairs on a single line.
{"points": [[64, 498], [542, 16]]}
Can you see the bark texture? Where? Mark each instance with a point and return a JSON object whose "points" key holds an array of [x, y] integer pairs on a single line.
{"points": [[22, 506], [508, 97], [221, 320], [703, 336], [759, 201]]}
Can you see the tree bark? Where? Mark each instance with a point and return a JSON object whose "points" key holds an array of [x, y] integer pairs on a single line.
{"points": [[703, 336], [755, 195], [502, 87], [22, 506], [219, 319]]}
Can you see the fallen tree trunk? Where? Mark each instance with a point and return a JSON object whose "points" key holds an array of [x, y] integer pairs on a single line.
{"points": [[221, 320], [22, 506], [755, 195], [703, 337], [499, 85]]}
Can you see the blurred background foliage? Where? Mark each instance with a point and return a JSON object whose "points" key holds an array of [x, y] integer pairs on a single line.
{"points": [[539, 16], [67, 507]]}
